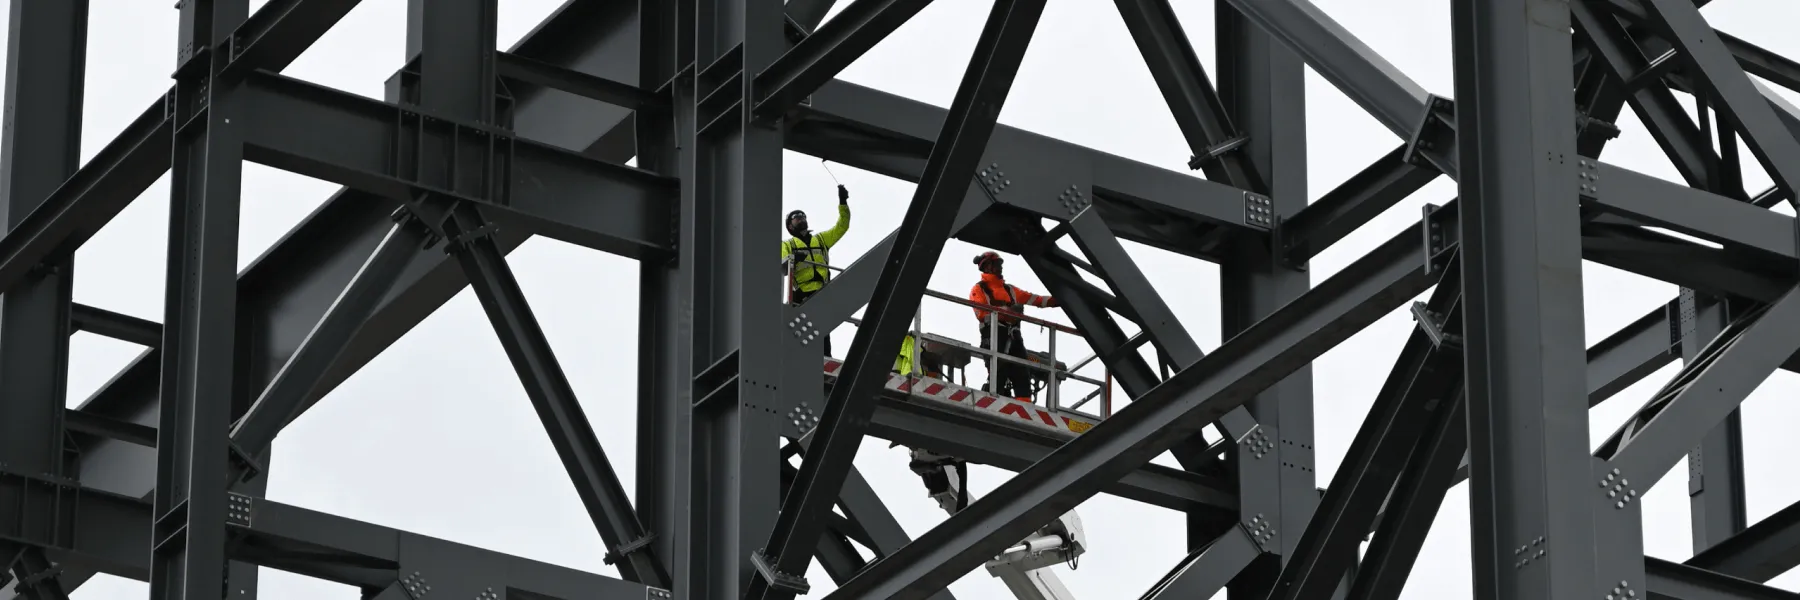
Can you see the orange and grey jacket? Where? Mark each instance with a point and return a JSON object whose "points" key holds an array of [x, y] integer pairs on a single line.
{"points": [[993, 291]]}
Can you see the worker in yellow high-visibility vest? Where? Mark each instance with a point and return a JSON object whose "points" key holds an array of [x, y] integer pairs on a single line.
{"points": [[806, 255]]}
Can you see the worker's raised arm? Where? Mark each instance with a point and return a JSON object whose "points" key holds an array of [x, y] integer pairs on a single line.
{"points": [[831, 236], [1028, 298]]}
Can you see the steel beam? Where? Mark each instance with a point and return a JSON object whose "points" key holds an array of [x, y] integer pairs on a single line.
{"points": [[1688, 150], [1754, 60], [1522, 285], [1716, 496], [91, 197], [827, 51], [1227, 378], [1154, 318], [454, 41], [122, 327], [1413, 505], [918, 243], [608, 505], [1717, 72], [735, 175], [1262, 84], [1632, 353], [1680, 415], [1189, 93], [188, 537], [1351, 205], [349, 139], [891, 135], [1335, 54], [946, 431], [1675, 581], [1419, 389], [537, 72], [1761, 552], [39, 147], [666, 352], [1206, 571], [106, 533]]}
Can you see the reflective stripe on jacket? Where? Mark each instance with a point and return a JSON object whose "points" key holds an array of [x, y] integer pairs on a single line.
{"points": [[993, 291], [809, 277]]}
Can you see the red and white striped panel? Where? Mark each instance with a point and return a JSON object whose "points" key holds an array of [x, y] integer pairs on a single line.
{"points": [[1005, 408]]}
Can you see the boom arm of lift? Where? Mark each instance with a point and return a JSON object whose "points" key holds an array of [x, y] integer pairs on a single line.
{"points": [[1022, 567]]}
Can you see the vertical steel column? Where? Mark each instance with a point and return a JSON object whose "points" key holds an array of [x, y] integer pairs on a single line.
{"points": [[200, 313], [454, 40], [1716, 468], [39, 148], [665, 475], [735, 293], [1521, 254], [1262, 85]]}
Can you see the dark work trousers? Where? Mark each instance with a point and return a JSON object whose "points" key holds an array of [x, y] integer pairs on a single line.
{"points": [[1014, 379], [800, 298]]}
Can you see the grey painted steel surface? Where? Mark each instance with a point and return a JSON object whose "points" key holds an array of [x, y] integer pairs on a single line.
{"points": [[1529, 488], [719, 89]]}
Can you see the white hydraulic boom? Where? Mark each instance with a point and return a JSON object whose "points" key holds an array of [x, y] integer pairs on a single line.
{"points": [[1024, 567]]}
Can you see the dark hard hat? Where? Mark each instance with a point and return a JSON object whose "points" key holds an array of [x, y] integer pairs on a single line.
{"points": [[987, 256], [798, 214]]}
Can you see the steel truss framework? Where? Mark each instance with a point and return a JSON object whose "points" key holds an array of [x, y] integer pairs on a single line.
{"points": [[1491, 387]]}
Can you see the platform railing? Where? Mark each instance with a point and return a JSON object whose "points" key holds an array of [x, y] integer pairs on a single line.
{"points": [[994, 322]]}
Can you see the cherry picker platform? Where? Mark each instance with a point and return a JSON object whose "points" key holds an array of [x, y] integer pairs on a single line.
{"points": [[933, 380]]}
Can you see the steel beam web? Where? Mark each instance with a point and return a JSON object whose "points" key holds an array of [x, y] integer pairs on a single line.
{"points": [[822, 55], [1262, 86], [1719, 75], [1415, 394], [188, 538], [40, 147], [1522, 280], [1716, 495], [1188, 93], [920, 240]]}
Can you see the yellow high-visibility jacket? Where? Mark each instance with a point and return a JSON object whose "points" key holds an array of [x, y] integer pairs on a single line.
{"points": [[810, 277], [908, 349]]}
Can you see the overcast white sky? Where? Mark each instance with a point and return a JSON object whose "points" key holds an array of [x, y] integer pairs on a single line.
{"points": [[436, 436]]}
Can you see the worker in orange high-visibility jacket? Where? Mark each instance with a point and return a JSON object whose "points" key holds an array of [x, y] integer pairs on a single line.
{"points": [[1004, 337]]}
